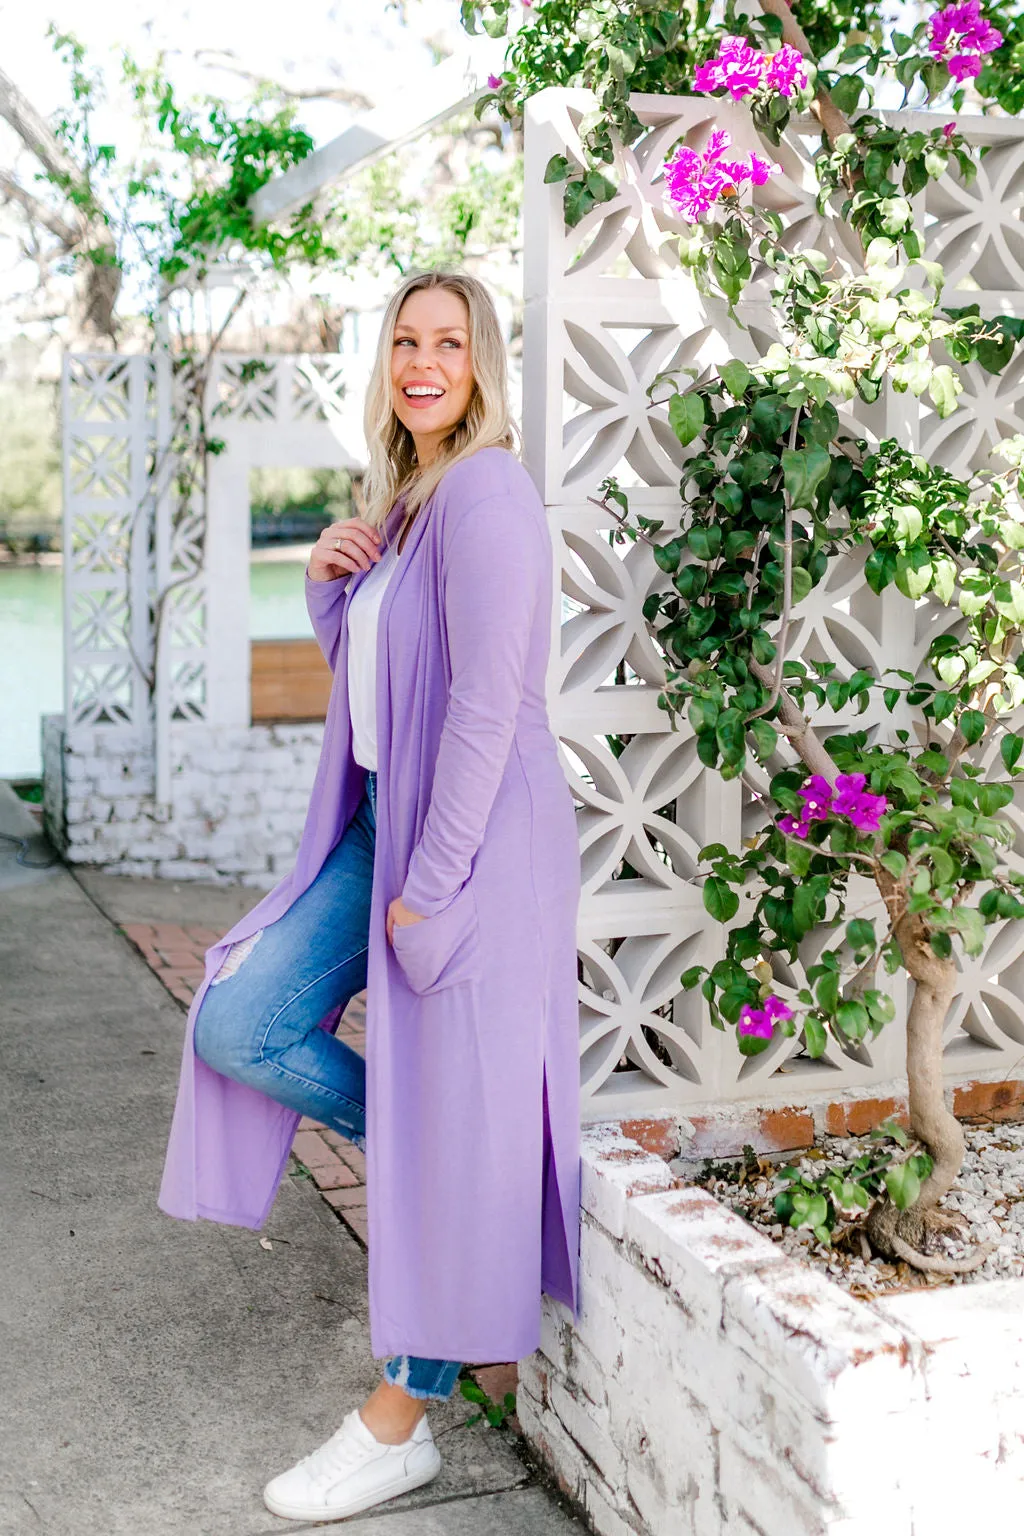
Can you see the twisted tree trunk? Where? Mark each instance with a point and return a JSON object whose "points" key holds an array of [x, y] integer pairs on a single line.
{"points": [[97, 283], [897, 1234]]}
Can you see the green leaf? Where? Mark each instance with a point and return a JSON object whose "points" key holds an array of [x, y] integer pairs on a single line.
{"points": [[686, 416], [972, 929], [720, 900], [705, 543], [880, 569], [880, 1005], [766, 738], [894, 862], [852, 1019], [689, 979], [846, 93], [667, 556], [944, 389], [860, 933], [914, 572], [804, 469], [827, 992], [736, 377], [943, 705], [815, 1035], [903, 1185], [731, 734], [992, 798], [807, 906], [557, 169], [972, 726], [1010, 749]]}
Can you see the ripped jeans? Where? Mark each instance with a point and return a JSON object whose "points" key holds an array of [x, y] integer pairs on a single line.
{"points": [[258, 1022]]}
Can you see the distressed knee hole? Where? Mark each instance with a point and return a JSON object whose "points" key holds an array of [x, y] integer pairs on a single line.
{"points": [[236, 955]]}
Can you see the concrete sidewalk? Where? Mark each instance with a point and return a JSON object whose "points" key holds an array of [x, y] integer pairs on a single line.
{"points": [[154, 1372]]}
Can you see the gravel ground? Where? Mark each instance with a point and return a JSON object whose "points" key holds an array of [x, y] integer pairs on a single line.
{"points": [[987, 1202]]}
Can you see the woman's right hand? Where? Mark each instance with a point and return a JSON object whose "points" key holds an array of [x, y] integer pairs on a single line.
{"points": [[342, 548]]}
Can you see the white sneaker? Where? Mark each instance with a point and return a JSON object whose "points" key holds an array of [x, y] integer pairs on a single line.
{"points": [[351, 1472]]}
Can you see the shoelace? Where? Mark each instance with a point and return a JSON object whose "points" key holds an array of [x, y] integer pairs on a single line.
{"points": [[335, 1458]]}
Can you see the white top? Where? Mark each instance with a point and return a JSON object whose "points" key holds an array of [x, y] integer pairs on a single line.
{"points": [[363, 614]]}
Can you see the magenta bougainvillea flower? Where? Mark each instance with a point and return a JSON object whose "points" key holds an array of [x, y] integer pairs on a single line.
{"points": [[849, 799], [948, 130], [736, 68], [494, 82], [961, 38], [761, 169], [741, 70], [761, 1022], [786, 71], [697, 179], [792, 827], [865, 811], [817, 797]]}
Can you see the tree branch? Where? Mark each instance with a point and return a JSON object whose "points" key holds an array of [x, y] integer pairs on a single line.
{"points": [[37, 210], [824, 108], [796, 728], [221, 58], [35, 132]]}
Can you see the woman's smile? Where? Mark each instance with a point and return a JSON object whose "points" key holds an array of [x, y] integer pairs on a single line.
{"points": [[422, 396], [431, 368]]}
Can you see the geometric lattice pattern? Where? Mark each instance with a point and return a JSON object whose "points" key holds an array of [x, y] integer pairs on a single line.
{"points": [[135, 547], [276, 390], [109, 418], [607, 310]]}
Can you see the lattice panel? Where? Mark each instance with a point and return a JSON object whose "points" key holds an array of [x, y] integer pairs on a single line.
{"points": [[109, 413], [608, 308], [278, 390]]}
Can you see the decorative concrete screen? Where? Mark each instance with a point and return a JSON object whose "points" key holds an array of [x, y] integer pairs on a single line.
{"points": [[181, 784], [607, 309], [154, 767]]}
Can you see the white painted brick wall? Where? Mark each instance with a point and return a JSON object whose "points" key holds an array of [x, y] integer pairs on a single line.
{"points": [[238, 800], [711, 1386]]}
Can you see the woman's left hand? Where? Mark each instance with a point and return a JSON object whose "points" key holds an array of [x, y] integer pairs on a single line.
{"points": [[403, 916]]}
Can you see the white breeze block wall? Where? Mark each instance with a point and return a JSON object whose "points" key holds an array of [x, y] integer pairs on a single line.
{"points": [[713, 1387], [239, 796]]}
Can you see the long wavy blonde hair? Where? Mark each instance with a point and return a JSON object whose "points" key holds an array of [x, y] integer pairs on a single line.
{"points": [[392, 469]]}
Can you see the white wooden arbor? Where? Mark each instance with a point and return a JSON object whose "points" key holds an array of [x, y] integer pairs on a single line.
{"points": [[606, 309]]}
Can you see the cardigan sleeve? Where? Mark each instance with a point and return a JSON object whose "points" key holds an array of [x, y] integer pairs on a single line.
{"points": [[325, 608], [497, 568]]}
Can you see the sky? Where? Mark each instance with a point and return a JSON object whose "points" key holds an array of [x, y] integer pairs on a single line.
{"points": [[360, 43]]}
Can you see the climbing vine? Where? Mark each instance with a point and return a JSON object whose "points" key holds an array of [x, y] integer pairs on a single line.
{"points": [[870, 853]]}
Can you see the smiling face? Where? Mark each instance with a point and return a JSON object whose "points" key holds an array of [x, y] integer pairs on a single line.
{"points": [[431, 367]]}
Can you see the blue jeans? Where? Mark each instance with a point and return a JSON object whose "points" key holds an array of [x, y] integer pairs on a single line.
{"points": [[258, 1023]]}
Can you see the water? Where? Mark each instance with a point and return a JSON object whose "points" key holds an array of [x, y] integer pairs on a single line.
{"points": [[31, 660]]}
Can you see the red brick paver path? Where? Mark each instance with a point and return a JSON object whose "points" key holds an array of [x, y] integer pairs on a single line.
{"points": [[338, 1169]]}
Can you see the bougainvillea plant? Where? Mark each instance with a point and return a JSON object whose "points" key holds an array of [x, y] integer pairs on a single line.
{"points": [[879, 852]]}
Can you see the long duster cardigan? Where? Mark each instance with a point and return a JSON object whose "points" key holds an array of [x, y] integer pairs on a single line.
{"points": [[472, 1021]]}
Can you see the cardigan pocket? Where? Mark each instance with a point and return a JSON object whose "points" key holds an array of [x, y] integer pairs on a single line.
{"points": [[441, 950]]}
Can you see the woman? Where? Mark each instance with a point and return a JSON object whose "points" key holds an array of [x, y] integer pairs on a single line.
{"points": [[439, 868]]}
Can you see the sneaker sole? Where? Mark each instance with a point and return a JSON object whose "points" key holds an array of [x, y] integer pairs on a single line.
{"points": [[354, 1506]]}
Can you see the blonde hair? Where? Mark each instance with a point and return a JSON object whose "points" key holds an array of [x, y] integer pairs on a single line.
{"points": [[392, 469]]}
